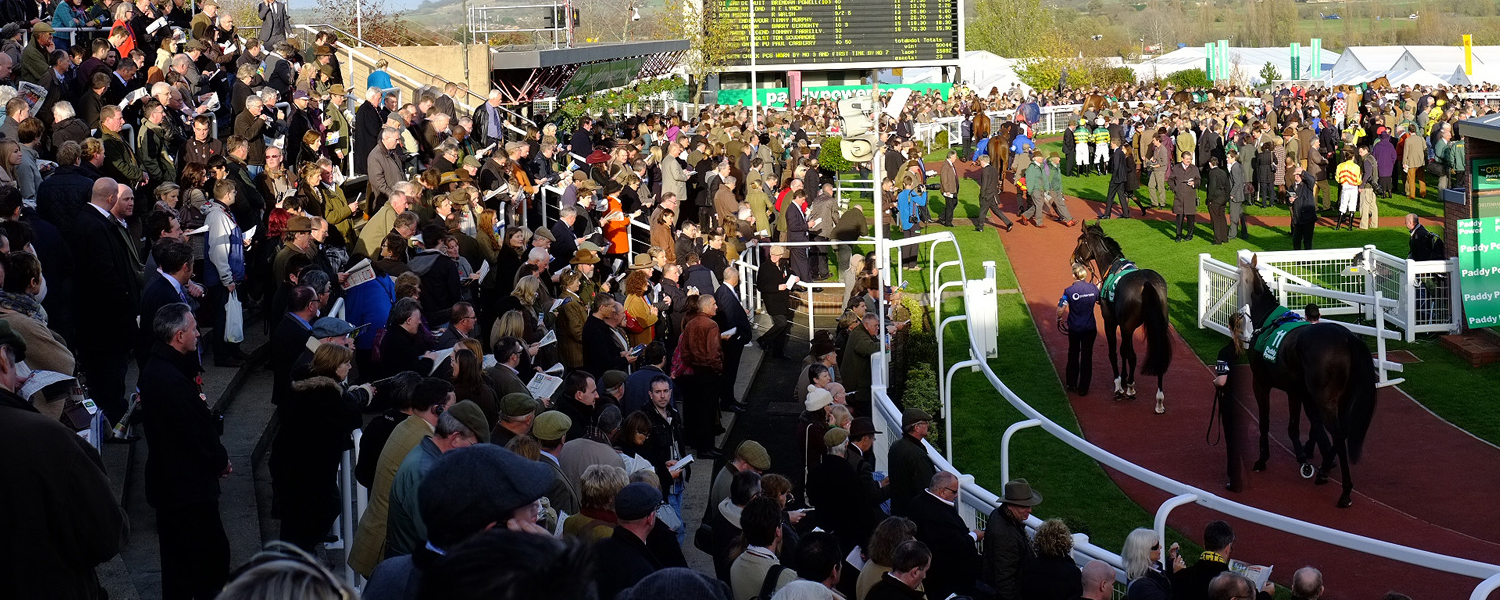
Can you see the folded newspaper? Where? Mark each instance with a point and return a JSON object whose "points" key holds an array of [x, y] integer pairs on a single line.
{"points": [[361, 272], [32, 93], [1259, 574], [543, 385]]}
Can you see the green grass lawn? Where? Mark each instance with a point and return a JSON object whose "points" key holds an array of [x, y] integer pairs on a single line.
{"points": [[1442, 382], [1076, 487]]}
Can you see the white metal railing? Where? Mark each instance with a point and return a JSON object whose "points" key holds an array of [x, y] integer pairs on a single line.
{"points": [[750, 296], [976, 500], [1419, 294]]}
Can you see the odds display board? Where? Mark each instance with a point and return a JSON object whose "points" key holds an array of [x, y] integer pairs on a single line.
{"points": [[845, 33]]}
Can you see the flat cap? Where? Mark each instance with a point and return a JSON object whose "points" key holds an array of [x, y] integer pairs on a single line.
{"points": [[835, 436], [636, 501], [550, 426], [482, 484], [754, 455], [469, 413], [518, 404], [612, 379], [912, 416]]}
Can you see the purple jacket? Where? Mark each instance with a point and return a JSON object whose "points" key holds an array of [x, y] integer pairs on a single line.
{"points": [[1385, 154]]}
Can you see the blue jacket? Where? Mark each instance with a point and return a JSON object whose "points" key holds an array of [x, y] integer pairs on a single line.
{"points": [[369, 305], [907, 202], [1022, 144], [379, 79]]}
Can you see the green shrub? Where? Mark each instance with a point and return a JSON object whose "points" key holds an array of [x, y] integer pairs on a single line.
{"points": [[941, 139], [922, 392], [831, 155], [1191, 78]]}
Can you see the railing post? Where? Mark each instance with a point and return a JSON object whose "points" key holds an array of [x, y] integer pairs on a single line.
{"points": [[1160, 525], [1370, 276], [947, 399], [1409, 289], [1483, 590], [1005, 445], [1455, 303]]}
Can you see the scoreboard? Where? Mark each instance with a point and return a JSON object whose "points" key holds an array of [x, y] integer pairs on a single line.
{"points": [[843, 32]]}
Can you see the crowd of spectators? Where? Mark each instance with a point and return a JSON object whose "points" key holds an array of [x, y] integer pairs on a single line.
{"points": [[530, 371]]}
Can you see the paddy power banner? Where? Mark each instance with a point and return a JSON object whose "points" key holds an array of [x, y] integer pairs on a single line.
{"points": [[778, 96]]}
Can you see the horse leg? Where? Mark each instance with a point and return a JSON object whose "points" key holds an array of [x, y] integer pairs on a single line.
{"points": [[1127, 360], [1263, 404], [1341, 448], [1114, 361], [1317, 435], [1294, 426]]}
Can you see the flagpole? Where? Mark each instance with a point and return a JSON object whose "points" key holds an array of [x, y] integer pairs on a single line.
{"points": [[754, 101]]}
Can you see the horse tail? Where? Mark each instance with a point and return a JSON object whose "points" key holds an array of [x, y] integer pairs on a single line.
{"points": [[1158, 336], [1355, 417]]}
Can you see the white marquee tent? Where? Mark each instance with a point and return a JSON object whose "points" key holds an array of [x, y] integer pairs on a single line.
{"points": [[1249, 61], [980, 69], [1437, 64]]}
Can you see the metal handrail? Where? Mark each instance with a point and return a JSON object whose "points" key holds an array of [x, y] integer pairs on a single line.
{"points": [[1490, 573], [383, 51]]}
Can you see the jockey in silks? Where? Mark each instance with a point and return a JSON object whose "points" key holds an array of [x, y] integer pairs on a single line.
{"points": [[1081, 139], [1101, 146]]}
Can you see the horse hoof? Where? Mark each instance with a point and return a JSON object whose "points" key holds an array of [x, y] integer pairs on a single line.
{"points": [[1161, 409], [1322, 479], [1345, 502], [1307, 472]]}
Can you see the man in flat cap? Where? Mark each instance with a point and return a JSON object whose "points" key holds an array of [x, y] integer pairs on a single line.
{"points": [[461, 426], [34, 64], [630, 560], [467, 492], [551, 432], [911, 469], [517, 414]]}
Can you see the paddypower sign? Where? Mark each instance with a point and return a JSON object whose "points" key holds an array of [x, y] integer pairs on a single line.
{"points": [[1479, 270], [779, 96]]}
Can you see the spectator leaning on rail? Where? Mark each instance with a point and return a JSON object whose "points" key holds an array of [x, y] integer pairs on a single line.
{"points": [[1143, 568], [911, 468], [1007, 550], [1197, 582], [956, 563]]}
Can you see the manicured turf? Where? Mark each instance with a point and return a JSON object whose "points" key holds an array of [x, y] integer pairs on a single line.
{"points": [[1077, 489]]}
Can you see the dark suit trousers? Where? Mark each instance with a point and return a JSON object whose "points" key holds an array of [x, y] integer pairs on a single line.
{"points": [[105, 363], [194, 551], [1080, 369], [701, 409], [1302, 235], [802, 263], [989, 205], [950, 202], [1117, 189], [774, 339], [1217, 217], [732, 351]]}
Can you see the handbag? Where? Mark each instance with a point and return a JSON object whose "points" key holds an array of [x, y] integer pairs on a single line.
{"points": [[632, 324], [234, 320]]}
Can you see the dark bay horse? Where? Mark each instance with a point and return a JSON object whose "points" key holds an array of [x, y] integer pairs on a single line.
{"points": [[1325, 369], [1140, 299]]}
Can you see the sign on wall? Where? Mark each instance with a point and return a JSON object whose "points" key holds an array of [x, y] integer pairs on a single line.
{"points": [[1479, 270]]}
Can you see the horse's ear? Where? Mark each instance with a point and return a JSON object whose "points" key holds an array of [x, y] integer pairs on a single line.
{"points": [[1254, 259]]}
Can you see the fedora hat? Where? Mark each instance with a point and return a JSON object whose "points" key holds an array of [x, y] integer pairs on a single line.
{"points": [[584, 257], [1019, 493], [641, 261]]}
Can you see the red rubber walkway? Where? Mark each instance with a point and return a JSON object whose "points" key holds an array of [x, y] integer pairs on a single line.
{"points": [[1422, 482]]}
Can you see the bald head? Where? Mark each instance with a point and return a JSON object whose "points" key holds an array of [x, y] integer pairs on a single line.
{"points": [[1307, 584], [104, 193], [1229, 585], [943, 479], [1097, 573]]}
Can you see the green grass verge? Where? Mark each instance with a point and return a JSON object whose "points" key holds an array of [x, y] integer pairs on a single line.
{"points": [[1442, 382], [1076, 487]]}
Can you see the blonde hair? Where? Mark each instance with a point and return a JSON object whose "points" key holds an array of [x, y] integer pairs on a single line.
{"points": [[329, 357], [527, 289], [599, 484]]}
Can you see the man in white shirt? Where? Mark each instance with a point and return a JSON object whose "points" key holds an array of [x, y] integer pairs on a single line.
{"points": [[758, 569]]}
